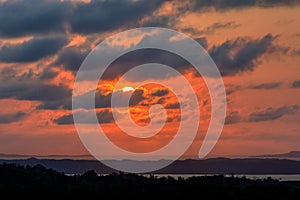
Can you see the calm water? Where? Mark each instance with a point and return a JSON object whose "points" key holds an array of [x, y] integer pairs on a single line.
{"points": [[282, 177]]}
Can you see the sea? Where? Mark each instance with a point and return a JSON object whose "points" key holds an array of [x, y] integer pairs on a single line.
{"points": [[280, 177]]}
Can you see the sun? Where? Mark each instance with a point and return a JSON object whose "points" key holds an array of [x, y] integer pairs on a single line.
{"points": [[127, 89]]}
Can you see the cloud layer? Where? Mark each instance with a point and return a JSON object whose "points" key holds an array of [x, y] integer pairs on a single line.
{"points": [[31, 50], [39, 17], [9, 118]]}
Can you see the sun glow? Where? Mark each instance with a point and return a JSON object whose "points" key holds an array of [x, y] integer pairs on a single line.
{"points": [[127, 89]]}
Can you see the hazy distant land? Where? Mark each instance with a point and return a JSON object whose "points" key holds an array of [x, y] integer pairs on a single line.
{"points": [[290, 155], [207, 166]]}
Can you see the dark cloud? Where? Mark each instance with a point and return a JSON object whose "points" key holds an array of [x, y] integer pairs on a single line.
{"points": [[31, 17], [272, 113], [30, 86], [98, 16], [231, 57], [7, 73], [238, 55], [173, 105], [11, 75], [208, 30], [267, 114], [85, 117], [266, 86], [233, 118], [231, 88], [64, 103], [71, 58], [52, 97], [218, 25], [296, 84], [21, 89], [48, 73], [202, 41], [37, 92], [31, 50], [160, 92], [161, 101], [136, 98], [167, 21], [174, 119], [139, 57], [223, 5], [104, 100], [9, 118], [40, 17], [190, 30]]}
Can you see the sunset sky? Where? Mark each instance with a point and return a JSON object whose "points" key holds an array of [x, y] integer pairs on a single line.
{"points": [[254, 43]]}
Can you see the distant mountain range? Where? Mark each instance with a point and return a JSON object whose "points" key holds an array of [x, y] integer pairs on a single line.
{"points": [[287, 163], [291, 154], [8, 156], [207, 166]]}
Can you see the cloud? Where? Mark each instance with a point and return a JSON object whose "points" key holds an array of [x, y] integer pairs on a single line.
{"points": [[174, 119], [86, 117], [160, 21], [160, 92], [202, 41], [272, 113], [231, 88], [173, 105], [136, 98], [139, 57], [40, 17], [34, 91], [31, 86], [218, 25], [98, 16], [231, 57], [267, 114], [233, 118], [48, 73], [9, 118], [104, 100], [223, 5], [64, 103], [33, 17], [240, 54], [51, 96], [70, 58], [296, 84], [31, 50], [266, 86]]}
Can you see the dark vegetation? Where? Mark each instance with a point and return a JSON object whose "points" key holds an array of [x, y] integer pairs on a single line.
{"points": [[37, 181]]}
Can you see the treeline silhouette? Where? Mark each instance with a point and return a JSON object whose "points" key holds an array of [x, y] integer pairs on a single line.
{"points": [[37, 181]]}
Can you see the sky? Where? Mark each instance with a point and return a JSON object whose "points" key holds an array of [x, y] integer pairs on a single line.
{"points": [[254, 43]]}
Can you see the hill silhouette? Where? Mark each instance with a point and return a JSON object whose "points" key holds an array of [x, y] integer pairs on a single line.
{"points": [[291, 154], [37, 181]]}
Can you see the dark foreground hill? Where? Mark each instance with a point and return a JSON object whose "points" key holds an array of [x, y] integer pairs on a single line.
{"points": [[208, 166], [39, 182]]}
